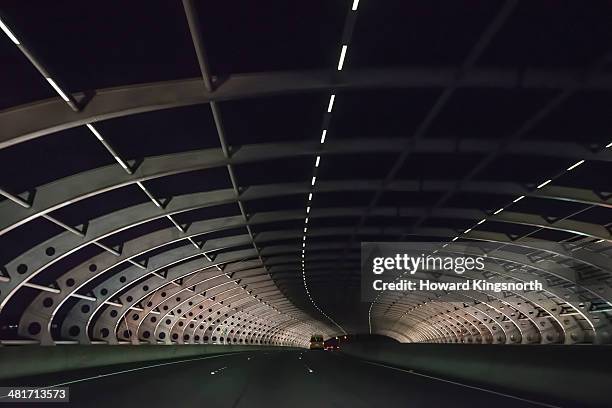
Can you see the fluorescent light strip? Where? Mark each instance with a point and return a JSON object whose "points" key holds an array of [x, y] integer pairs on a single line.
{"points": [[307, 209], [306, 220], [314, 180], [309, 196], [156, 202], [609, 145], [498, 211], [544, 183], [516, 200], [110, 149], [323, 135], [342, 55], [318, 161], [454, 239], [467, 230], [331, 103], [481, 221], [58, 89], [175, 223], [8, 33], [355, 5], [572, 167], [95, 132], [121, 163]]}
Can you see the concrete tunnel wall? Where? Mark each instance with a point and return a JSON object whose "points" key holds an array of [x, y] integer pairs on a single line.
{"points": [[578, 375], [25, 361]]}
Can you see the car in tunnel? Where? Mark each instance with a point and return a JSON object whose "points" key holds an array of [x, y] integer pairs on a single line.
{"points": [[332, 344], [199, 198], [316, 342]]}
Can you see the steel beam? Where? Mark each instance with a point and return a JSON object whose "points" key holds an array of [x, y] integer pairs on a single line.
{"points": [[63, 192], [37, 259], [37, 119]]}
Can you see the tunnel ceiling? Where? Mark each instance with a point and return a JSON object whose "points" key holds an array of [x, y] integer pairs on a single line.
{"points": [[206, 171]]}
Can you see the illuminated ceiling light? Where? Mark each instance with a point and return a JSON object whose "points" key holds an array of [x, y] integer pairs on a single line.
{"points": [[444, 246], [306, 220], [304, 238], [303, 245], [330, 106], [95, 132], [307, 209], [58, 89], [454, 239], [481, 221], [609, 145], [121, 162], [318, 161], [516, 200], [599, 241], [572, 167], [355, 5], [305, 229], [467, 230], [342, 55], [544, 183], [323, 135], [8, 32], [314, 180], [158, 204], [309, 196], [498, 211]]}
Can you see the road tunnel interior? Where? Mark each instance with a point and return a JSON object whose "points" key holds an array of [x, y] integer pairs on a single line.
{"points": [[203, 174]]}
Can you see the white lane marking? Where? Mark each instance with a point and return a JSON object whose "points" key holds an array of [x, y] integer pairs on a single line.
{"points": [[543, 404], [95, 377], [217, 370]]}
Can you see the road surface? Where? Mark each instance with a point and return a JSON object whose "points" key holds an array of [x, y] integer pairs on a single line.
{"points": [[314, 379]]}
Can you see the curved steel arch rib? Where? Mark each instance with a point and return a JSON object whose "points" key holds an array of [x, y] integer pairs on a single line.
{"points": [[545, 300], [588, 230], [153, 284], [176, 324], [34, 120], [136, 294], [551, 300], [66, 243], [159, 300], [63, 192], [171, 304], [187, 252], [230, 222]]}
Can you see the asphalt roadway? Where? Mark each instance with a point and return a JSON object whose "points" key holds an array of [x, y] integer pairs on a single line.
{"points": [[314, 379]]}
